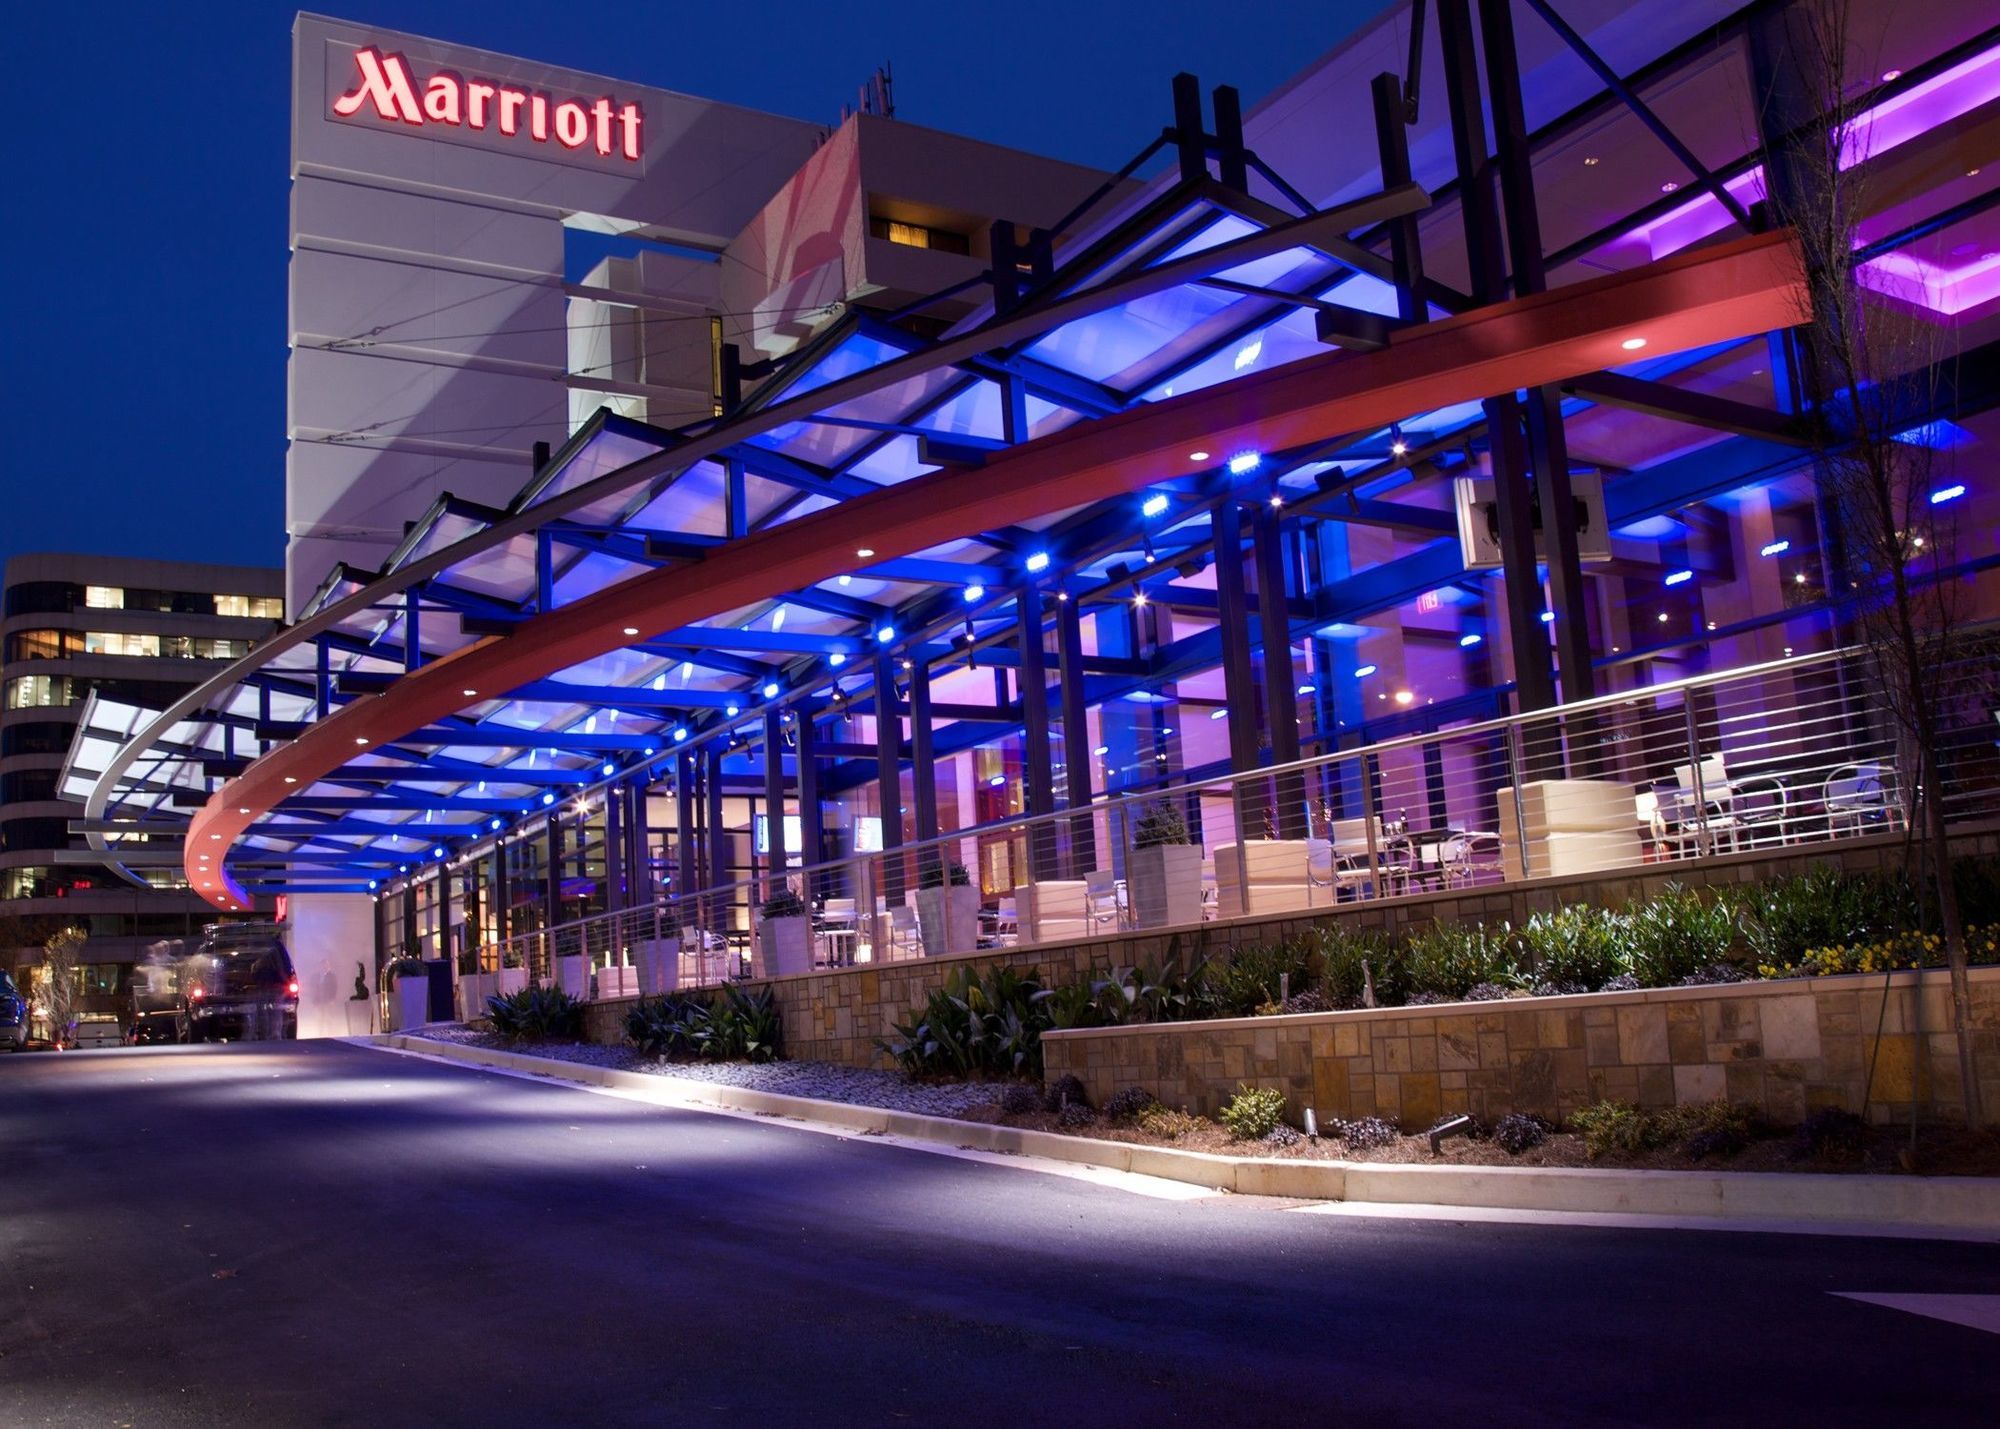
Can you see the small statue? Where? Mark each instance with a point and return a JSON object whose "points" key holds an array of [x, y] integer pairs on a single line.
{"points": [[360, 983]]}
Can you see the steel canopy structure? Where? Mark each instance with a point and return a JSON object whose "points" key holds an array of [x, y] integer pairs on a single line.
{"points": [[888, 505]]}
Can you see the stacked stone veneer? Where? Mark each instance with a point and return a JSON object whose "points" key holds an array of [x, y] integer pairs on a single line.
{"points": [[1784, 1047], [837, 1016]]}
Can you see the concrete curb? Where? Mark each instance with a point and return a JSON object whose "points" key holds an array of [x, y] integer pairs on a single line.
{"points": [[1940, 1203]]}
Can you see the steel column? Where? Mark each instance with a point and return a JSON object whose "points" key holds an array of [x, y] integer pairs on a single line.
{"points": [[923, 759], [1233, 627], [1533, 677], [1039, 774], [888, 775], [774, 799], [812, 838], [1076, 736], [1392, 146], [1281, 700]]}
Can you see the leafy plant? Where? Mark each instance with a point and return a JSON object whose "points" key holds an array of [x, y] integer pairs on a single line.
{"points": [[1617, 1128], [1576, 947], [1517, 1132], [1347, 959], [1253, 1113], [1252, 977], [1715, 1128], [728, 1024], [1127, 1103], [1020, 1099], [783, 903], [1169, 993], [974, 1025], [536, 1014], [400, 968], [1169, 1123], [1160, 824], [1074, 1004], [1452, 958], [1365, 1133], [1675, 935], [936, 874]]}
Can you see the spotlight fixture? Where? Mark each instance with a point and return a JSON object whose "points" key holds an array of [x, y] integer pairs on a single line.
{"points": [[1403, 697], [732, 709], [1678, 578], [1466, 642], [470, 694], [837, 659], [1245, 462], [1364, 671], [771, 688], [547, 799], [974, 594], [1397, 445], [1155, 505], [1669, 186], [680, 736], [1947, 493], [631, 630], [1037, 562], [885, 634], [609, 769], [1890, 76], [1775, 548]]}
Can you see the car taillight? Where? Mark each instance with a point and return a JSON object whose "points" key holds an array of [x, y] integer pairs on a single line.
{"points": [[292, 988], [198, 994]]}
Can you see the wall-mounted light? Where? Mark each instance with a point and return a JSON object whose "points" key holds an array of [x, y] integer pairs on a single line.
{"points": [[974, 594], [1678, 578], [1245, 462], [1037, 561], [1466, 642], [1775, 548], [771, 688], [1154, 505], [1947, 493], [1364, 671]]}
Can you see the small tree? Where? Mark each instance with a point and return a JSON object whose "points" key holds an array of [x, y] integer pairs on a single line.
{"points": [[1875, 368], [61, 957]]}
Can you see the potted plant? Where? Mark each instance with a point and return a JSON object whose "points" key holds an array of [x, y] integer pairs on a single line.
{"points": [[658, 956], [1163, 873], [573, 974], [409, 983], [784, 935], [947, 909]]}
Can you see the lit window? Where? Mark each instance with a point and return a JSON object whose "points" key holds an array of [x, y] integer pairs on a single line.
{"points": [[104, 597], [256, 607], [120, 642], [916, 235], [36, 691]]}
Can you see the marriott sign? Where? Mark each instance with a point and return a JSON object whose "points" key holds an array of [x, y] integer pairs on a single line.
{"points": [[384, 83]]}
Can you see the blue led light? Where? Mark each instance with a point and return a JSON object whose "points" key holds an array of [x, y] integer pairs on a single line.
{"points": [[1466, 642], [680, 736], [1679, 577], [493, 824], [1548, 617], [1947, 493], [1039, 561], [997, 780], [1243, 463], [1364, 672], [609, 769], [885, 633], [1307, 689], [437, 852], [548, 798], [974, 594], [770, 690], [837, 659], [1775, 548], [732, 709], [1155, 505], [1101, 750]]}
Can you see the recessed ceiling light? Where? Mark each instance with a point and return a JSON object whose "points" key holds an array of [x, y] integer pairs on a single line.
{"points": [[1890, 76], [1669, 186], [241, 810], [1590, 161], [290, 780], [360, 739], [1633, 344], [1197, 456], [469, 694], [217, 837], [864, 552], [631, 630]]}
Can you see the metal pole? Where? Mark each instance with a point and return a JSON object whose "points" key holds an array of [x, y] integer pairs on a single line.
{"points": [[1034, 677]]}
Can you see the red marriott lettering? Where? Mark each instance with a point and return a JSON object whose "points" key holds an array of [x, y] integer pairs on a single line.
{"points": [[477, 104]]}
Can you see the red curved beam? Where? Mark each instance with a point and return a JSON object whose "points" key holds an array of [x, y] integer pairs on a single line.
{"points": [[1717, 294]]}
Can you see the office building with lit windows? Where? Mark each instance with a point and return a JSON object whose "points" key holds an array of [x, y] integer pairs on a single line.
{"points": [[81, 635], [1417, 480]]}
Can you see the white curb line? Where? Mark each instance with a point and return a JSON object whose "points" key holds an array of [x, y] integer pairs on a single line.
{"points": [[1800, 1201]]}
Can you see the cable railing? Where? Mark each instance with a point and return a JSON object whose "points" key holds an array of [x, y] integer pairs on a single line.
{"points": [[1794, 752]]}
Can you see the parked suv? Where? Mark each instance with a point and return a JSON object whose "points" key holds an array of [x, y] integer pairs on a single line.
{"points": [[238, 984], [13, 1016]]}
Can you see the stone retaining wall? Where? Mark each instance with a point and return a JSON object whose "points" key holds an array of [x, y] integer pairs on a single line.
{"points": [[836, 1016], [1785, 1047]]}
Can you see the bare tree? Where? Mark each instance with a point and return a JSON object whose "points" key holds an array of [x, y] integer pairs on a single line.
{"points": [[1876, 366], [61, 956]]}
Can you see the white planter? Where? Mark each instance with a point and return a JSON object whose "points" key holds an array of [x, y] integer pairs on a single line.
{"points": [[784, 946], [659, 965], [615, 982], [573, 975], [1164, 885], [510, 981], [948, 919], [409, 1003], [473, 991]]}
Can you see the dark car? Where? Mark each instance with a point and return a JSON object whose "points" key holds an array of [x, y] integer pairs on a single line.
{"points": [[13, 1015], [238, 988]]}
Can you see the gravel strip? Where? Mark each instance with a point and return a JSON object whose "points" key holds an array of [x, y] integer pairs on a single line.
{"points": [[825, 1081]]}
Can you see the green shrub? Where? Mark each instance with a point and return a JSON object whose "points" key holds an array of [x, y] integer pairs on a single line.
{"points": [[1703, 1129], [1252, 977], [1617, 1128], [1127, 1103], [730, 1024], [1346, 958], [1167, 1122], [1172, 992], [1676, 935], [974, 1026], [1450, 959], [1253, 1113], [937, 875], [401, 968], [1577, 946], [537, 1014], [1785, 920]]}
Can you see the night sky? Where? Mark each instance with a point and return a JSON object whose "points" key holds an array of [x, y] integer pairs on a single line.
{"points": [[142, 359]]}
